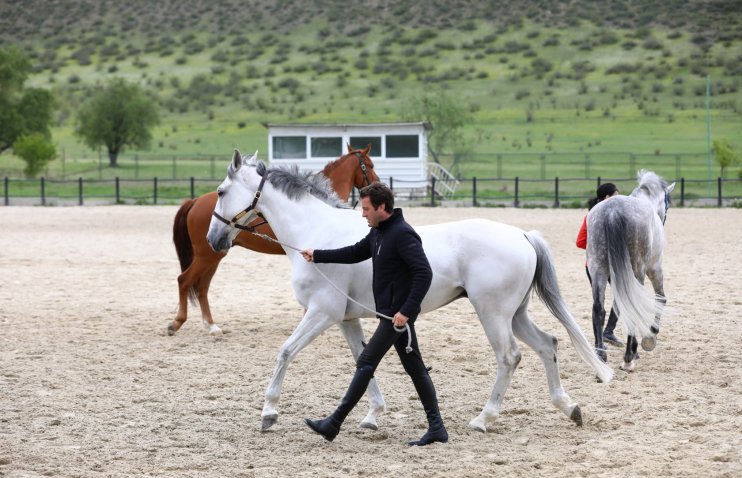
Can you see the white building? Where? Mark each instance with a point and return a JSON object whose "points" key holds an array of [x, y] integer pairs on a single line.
{"points": [[399, 150]]}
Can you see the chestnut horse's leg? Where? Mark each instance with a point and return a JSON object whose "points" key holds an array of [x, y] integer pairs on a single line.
{"points": [[202, 289]]}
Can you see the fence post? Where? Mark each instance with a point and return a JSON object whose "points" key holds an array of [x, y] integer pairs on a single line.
{"points": [[516, 192], [596, 187], [432, 191], [718, 187], [391, 183], [353, 195], [677, 165], [154, 191], [6, 189], [79, 190], [556, 192], [118, 191], [43, 192], [474, 191], [682, 192], [193, 187]]}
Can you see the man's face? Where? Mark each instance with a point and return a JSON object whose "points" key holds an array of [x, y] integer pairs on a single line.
{"points": [[373, 216]]}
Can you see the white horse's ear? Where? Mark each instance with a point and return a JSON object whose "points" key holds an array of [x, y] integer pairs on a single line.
{"points": [[670, 188], [236, 160]]}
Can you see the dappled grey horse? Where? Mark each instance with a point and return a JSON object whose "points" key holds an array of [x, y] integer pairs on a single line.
{"points": [[625, 241]]}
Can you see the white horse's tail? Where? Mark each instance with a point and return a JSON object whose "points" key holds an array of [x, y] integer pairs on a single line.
{"points": [[547, 288], [636, 306]]}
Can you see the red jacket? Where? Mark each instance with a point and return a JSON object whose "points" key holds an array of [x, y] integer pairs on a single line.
{"points": [[582, 235]]}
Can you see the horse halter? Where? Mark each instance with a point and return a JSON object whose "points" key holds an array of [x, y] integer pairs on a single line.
{"points": [[667, 206], [241, 214], [363, 168]]}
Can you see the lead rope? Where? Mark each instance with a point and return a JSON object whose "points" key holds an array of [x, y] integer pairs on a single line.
{"points": [[406, 327]]}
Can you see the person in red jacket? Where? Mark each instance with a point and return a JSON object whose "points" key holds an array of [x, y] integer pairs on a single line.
{"points": [[603, 192]]}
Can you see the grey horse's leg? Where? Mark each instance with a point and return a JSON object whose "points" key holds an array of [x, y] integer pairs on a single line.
{"points": [[656, 277], [598, 316]]}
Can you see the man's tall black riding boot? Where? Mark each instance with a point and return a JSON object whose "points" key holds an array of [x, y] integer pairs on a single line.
{"points": [[330, 427], [436, 431]]}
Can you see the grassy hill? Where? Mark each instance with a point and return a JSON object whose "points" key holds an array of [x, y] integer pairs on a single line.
{"points": [[538, 77]]}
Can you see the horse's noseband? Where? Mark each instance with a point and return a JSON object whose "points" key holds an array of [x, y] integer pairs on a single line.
{"points": [[241, 214]]}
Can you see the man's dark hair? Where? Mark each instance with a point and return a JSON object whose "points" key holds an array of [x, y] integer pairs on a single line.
{"points": [[378, 194]]}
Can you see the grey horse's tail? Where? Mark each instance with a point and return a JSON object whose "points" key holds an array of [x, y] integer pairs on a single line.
{"points": [[547, 288], [636, 306]]}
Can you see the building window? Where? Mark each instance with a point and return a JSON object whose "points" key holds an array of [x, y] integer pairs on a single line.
{"points": [[327, 147], [402, 146], [289, 147], [360, 142]]}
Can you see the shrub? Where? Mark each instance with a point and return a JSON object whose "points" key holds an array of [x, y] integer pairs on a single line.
{"points": [[35, 151]]}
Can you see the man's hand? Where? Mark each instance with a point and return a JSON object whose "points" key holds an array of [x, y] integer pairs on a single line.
{"points": [[400, 320], [308, 255]]}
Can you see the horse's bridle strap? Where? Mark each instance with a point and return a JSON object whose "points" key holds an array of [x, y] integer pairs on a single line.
{"points": [[241, 214]]}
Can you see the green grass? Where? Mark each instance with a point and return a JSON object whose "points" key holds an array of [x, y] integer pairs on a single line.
{"points": [[576, 109]]}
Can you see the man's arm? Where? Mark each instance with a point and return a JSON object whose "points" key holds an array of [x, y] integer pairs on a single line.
{"points": [[411, 250], [358, 252]]}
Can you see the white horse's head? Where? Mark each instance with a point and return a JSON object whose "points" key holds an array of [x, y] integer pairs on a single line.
{"points": [[237, 200], [655, 190]]}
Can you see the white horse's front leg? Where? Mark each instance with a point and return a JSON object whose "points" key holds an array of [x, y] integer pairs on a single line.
{"points": [[353, 332], [311, 326]]}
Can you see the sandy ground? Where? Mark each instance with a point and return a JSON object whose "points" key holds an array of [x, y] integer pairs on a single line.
{"points": [[91, 386]]}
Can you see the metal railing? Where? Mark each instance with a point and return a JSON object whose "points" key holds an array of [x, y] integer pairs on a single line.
{"points": [[515, 192]]}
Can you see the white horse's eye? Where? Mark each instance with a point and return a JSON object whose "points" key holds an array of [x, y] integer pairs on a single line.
{"points": [[220, 192]]}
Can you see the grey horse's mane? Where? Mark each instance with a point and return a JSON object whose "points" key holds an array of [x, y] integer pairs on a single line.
{"points": [[649, 183], [295, 184]]}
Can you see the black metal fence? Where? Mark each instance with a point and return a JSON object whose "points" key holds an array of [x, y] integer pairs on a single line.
{"points": [[515, 192]]}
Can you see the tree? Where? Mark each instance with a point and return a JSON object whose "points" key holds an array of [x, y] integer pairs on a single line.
{"points": [[117, 116], [447, 118], [36, 151], [22, 111], [724, 155]]}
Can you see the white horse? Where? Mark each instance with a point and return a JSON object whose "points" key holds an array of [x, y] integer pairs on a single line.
{"points": [[494, 265], [625, 240]]}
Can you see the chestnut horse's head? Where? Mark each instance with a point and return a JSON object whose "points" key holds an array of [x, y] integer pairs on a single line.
{"points": [[353, 169], [365, 173]]}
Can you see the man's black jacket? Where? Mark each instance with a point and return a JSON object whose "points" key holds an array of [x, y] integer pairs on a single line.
{"points": [[402, 274]]}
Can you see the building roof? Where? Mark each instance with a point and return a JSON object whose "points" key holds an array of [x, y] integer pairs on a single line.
{"points": [[424, 124]]}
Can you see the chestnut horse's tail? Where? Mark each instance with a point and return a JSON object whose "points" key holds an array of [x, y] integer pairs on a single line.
{"points": [[181, 239]]}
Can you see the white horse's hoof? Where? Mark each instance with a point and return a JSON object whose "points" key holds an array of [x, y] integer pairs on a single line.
{"points": [[628, 366], [478, 425], [576, 415], [649, 343], [215, 330], [369, 425], [268, 421]]}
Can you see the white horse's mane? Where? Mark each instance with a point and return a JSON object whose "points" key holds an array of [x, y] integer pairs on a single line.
{"points": [[296, 184], [650, 183]]}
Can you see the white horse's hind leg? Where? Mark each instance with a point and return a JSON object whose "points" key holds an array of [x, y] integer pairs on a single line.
{"points": [[501, 339], [545, 345], [353, 332], [308, 329]]}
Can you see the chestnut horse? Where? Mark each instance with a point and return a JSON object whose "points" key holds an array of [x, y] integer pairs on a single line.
{"points": [[198, 261]]}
